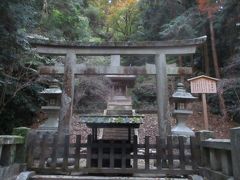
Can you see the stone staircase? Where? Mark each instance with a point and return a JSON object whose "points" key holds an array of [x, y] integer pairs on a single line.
{"points": [[64, 177], [116, 133], [118, 105]]}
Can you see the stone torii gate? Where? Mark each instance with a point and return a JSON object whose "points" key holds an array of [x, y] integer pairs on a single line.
{"points": [[157, 48]]}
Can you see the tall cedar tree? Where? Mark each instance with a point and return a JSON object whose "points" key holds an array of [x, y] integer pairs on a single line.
{"points": [[210, 7]]}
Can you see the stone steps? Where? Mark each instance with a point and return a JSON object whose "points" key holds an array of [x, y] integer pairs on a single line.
{"points": [[117, 98], [127, 103], [64, 177], [119, 107], [120, 102]]}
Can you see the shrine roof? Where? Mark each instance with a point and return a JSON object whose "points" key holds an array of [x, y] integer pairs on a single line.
{"points": [[51, 91], [108, 121]]}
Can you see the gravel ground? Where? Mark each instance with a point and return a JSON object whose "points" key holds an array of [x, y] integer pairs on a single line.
{"points": [[78, 128], [150, 125], [148, 128]]}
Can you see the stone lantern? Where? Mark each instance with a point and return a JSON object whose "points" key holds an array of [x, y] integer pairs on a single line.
{"points": [[53, 97], [181, 99]]}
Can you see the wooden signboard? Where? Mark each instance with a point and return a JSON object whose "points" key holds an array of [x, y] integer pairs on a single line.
{"points": [[204, 85]]}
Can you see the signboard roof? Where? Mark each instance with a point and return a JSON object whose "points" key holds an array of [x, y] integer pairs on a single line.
{"points": [[203, 76]]}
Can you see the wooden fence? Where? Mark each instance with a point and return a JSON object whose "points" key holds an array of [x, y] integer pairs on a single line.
{"points": [[169, 157]]}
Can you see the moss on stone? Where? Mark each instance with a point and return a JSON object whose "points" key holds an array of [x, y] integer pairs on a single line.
{"points": [[21, 131]]}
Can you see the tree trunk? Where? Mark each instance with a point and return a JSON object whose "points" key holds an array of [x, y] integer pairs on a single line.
{"points": [[206, 59], [216, 66], [180, 64], [45, 9], [214, 51]]}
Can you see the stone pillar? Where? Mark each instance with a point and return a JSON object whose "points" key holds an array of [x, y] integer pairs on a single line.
{"points": [[21, 148], [67, 96], [235, 146], [8, 144], [162, 95], [8, 154], [115, 60], [203, 155]]}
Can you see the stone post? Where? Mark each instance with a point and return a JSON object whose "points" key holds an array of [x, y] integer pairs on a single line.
{"points": [[235, 146], [162, 95], [67, 96], [21, 148], [202, 154], [8, 146]]}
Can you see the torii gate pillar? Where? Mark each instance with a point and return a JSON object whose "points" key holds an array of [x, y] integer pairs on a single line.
{"points": [[162, 95], [65, 115]]}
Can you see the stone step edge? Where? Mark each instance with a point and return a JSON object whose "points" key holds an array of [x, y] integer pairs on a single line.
{"points": [[65, 177]]}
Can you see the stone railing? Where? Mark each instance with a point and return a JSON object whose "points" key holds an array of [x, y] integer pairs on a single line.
{"points": [[219, 158], [12, 153], [216, 159]]}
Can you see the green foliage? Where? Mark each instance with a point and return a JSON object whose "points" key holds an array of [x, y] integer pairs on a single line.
{"points": [[231, 87], [136, 60], [94, 60], [66, 22], [123, 19], [97, 12], [91, 94], [226, 30], [21, 109], [153, 15], [116, 21], [144, 93], [228, 50], [185, 26], [212, 101], [96, 18], [21, 131], [18, 90], [231, 92]]}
